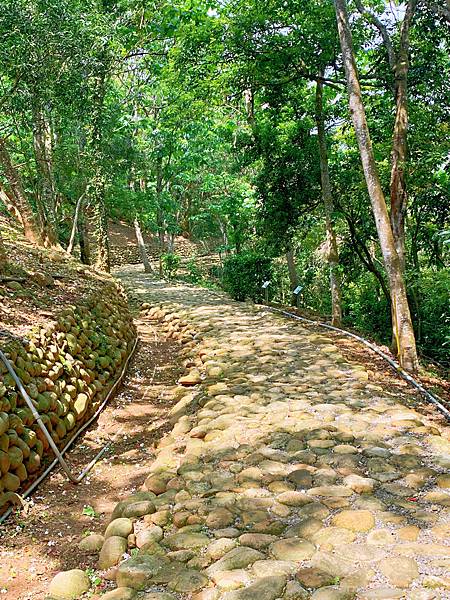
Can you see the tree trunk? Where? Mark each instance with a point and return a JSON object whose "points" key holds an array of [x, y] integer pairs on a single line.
{"points": [[46, 197], [332, 247], [171, 242], [16, 201], [74, 225], [399, 197], [237, 235], [161, 236], [293, 275], [103, 258], [365, 257], [224, 232], [83, 238], [141, 246], [402, 323], [97, 185], [3, 255], [159, 211]]}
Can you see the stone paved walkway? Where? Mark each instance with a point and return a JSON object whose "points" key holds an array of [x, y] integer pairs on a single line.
{"points": [[288, 475]]}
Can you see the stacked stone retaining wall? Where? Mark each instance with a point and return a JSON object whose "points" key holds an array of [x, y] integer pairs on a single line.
{"points": [[67, 367]]}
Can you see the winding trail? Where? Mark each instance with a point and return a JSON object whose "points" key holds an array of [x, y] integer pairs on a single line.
{"points": [[287, 475]]}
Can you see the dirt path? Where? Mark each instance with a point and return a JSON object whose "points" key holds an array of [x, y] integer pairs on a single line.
{"points": [[34, 547]]}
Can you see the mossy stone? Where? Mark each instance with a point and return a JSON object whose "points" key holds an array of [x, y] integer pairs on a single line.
{"points": [[23, 447], [16, 423], [69, 421], [21, 473], [5, 461], [4, 442], [29, 437], [80, 405], [4, 423], [11, 482], [92, 543], [15, 456], [33, 462]]}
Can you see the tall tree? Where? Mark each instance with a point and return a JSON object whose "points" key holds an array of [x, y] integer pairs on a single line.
{"points": [[97, 185], [399, 64], [16, 199], [327, 196], [402, 323]]}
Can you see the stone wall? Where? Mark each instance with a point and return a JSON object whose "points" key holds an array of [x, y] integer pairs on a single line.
{"points": [[67, 368]]}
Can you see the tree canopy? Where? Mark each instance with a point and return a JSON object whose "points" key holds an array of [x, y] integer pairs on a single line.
{"points": [[313, 134]]}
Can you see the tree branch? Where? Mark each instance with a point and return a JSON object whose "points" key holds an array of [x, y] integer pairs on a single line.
{"points": [[372, 18], [442, 11]]}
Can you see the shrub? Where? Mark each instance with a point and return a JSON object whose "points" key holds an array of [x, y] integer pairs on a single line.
{"points": [[170, 264], [434, 330], [244, 274], [194, 273], [366, 308]]}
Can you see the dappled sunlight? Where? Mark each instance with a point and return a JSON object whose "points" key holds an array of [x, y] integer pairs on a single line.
{"points": [[287, 460]]}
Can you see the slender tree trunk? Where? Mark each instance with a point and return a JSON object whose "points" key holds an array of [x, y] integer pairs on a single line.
{"points": [[416, 287], [10, 203], [74, 225], [160, 221], [161, 234], [399, 196], [137, 227], [103, 258], [365, 257], [399, 63], [332, 247], [162, 240], [293, 275], [46, 197], [402, 323], [83, 237], [141, 246], [237, 236], [18, 202], [223, 231], [3, 255], [97, 186]]}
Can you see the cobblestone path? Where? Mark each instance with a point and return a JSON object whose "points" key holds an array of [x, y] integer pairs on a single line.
{"points": [[287, 475]]}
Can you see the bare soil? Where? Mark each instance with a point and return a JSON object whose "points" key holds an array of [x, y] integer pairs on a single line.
{"points": [[32, 304]]}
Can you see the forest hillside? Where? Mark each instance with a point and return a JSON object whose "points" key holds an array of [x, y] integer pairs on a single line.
{"points": [[238, 211]]}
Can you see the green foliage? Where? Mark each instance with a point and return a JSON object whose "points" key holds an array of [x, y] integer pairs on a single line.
{"points": [[194, 273], [244, 275], [93, 577], [170, 263], [366, 308], [433, 323], [88, 511], [198, 118]]}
